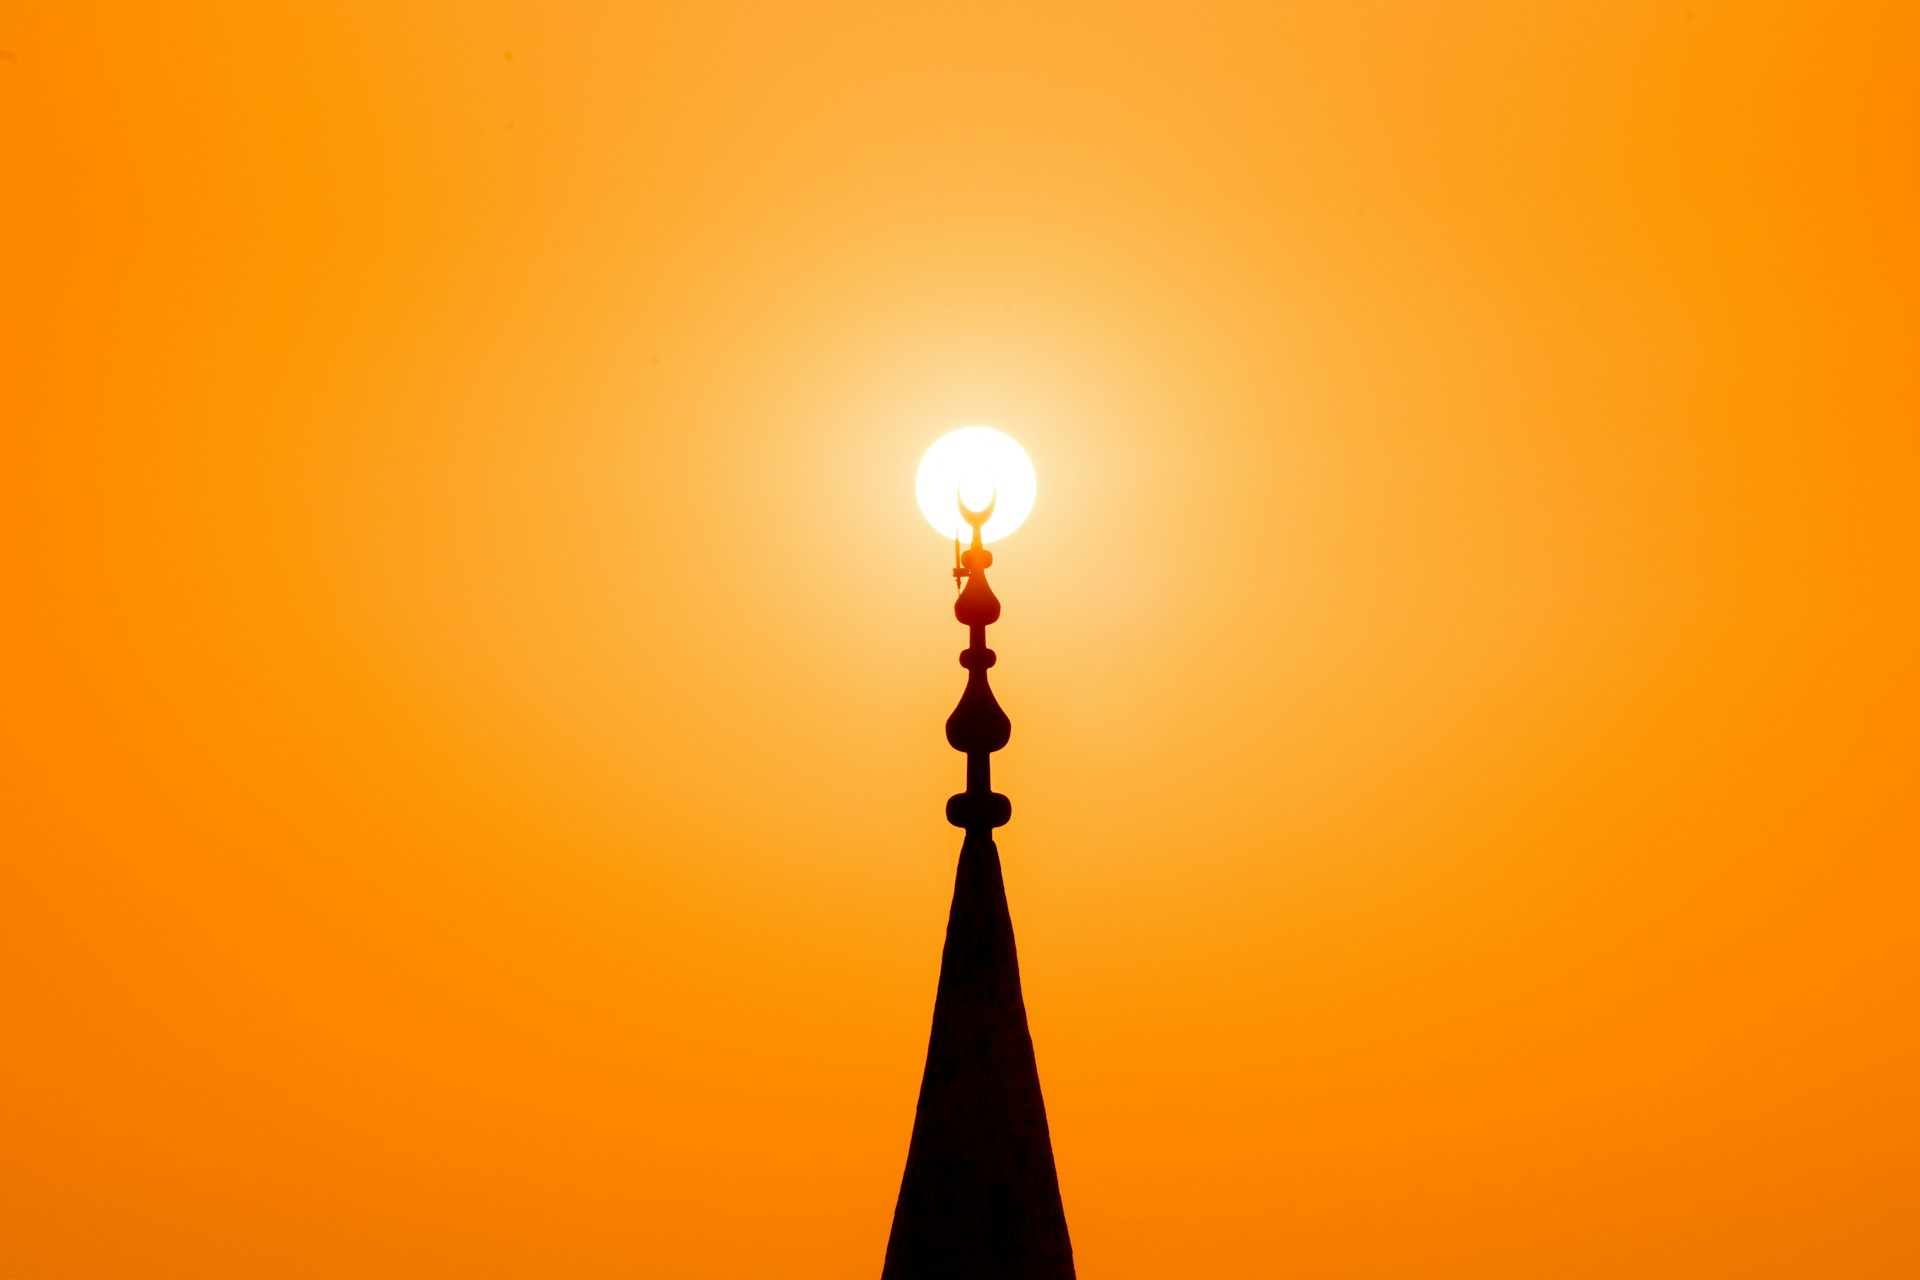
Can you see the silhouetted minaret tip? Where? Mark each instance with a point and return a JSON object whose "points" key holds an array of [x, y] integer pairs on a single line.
{"points": [[980, 1199]]}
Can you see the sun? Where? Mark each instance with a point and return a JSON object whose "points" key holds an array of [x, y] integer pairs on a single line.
{"points": [[980, 465]]}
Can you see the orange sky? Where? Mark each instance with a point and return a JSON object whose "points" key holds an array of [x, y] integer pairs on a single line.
{"points": [[474, 670]]}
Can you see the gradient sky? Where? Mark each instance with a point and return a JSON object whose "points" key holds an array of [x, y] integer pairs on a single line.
{"points": [[473, 669]]}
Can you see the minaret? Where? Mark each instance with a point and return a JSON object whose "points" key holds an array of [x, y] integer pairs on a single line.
{"points": [[979, 1199]]}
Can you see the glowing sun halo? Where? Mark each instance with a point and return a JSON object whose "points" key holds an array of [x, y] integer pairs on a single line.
{"points": [[982, 464]]}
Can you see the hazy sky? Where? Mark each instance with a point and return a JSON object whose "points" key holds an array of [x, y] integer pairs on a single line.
{"points": [[474, 669]]}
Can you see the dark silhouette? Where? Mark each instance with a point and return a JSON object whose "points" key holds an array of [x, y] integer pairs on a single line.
{"points": [[979, 1199]]}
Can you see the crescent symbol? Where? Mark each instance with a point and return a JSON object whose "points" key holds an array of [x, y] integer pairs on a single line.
{"points": [[980, 517]]}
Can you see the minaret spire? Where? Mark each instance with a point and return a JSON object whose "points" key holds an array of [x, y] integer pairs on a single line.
{"points": [[980, 1199]]}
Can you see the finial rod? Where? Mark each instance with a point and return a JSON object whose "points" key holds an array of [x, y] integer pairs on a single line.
{"points": [[977, 726]]}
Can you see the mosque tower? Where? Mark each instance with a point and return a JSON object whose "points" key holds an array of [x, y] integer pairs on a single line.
{"points": [[979, 1199]]}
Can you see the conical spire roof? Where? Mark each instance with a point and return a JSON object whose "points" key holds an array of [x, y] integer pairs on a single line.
{"points": [[980, 1199]]}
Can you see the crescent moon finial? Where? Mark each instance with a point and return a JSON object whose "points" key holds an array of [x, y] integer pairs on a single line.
{"points": [[980, 517]]}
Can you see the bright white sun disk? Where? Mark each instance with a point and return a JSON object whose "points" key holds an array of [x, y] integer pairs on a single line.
{"points": [[982, 465]]}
